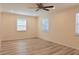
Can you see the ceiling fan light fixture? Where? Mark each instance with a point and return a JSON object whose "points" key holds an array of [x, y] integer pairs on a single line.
{"points": [[46, 8]]}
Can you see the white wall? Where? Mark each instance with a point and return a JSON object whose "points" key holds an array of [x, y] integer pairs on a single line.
{"points": [[9, 27], [61, 27]]}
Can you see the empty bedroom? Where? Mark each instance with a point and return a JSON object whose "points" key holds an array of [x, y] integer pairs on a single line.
{"points": [[39, 28]]}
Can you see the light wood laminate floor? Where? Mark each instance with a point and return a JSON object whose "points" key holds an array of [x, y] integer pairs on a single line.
{"points": [[35, 47]]}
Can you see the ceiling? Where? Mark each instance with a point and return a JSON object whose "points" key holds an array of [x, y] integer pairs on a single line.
{"points": [[29, 8]]}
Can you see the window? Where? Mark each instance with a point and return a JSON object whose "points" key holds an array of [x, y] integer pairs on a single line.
{"points": [[45, 24], [77, 23], [21, 24]]}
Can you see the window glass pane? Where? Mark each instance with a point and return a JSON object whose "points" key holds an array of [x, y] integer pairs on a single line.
{"points": [[21, 24], [45, 24], [77, 23], [77, 18]]}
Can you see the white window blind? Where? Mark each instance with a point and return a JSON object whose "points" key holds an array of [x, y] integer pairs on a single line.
{"points": [[45, 24], [77, 23], [21, 23]]}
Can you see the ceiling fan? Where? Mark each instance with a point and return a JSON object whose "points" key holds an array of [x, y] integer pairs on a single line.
{"points": [[41, 6]]}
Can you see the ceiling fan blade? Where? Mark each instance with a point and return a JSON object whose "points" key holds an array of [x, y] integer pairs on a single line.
{"points": [[48, 7], [37, 9], [45, 9], [39, 5]]}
